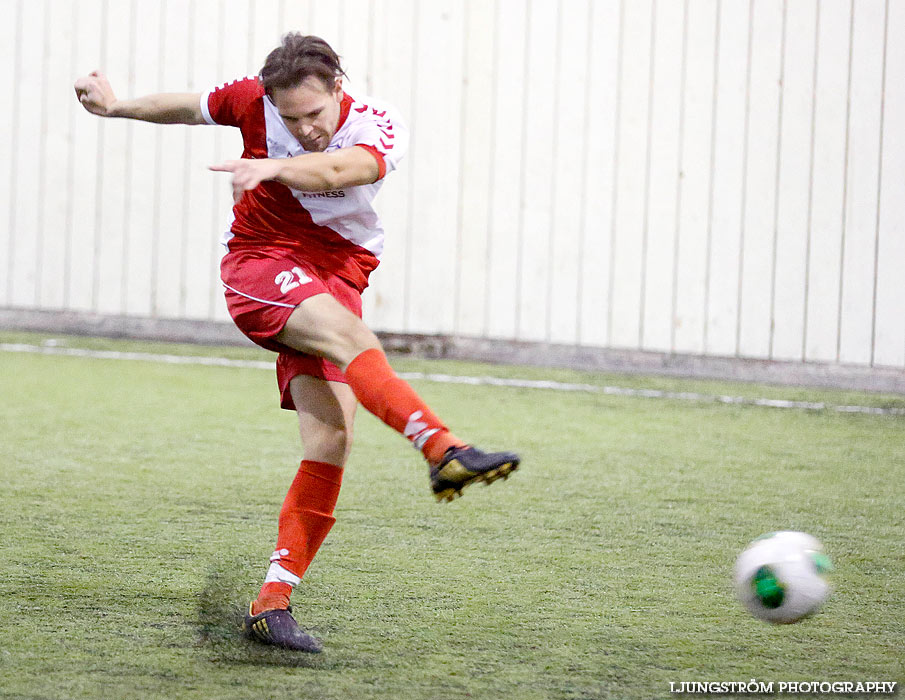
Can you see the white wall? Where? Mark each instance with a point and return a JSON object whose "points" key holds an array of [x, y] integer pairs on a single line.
{"points": [[717, 177]]}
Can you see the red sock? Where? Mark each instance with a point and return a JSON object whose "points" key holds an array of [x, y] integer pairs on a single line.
{"points": [[305, 519], [394, 402], [273, 596]]}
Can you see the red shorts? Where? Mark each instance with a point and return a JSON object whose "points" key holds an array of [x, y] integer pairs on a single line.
{"points": [[263, 287]]}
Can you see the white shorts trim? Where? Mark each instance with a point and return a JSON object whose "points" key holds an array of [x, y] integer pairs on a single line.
{"points": [[263, 301]]}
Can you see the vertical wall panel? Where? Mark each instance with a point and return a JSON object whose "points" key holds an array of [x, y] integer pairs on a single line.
{"points": [[355, 40], [828, 185], [174, 170], [58, 107], [9, 43], [326, 22], [264, 28], [202, 186], [860, 244], [474, 183], [692, 234], [233, 62], [86, 139], [728, 181], [394, 65], [758, 225], [665, 136], [631, 175], [540, 128], [294, 17], [793, 190], [889, 340], [116, 138], [435, 164], [507, 166], [235, 59], [26, 169], [572, 117], [597, 173], [140, 228]]}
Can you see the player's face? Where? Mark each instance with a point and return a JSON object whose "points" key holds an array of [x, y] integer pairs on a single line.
{"points": [[310, 111]]}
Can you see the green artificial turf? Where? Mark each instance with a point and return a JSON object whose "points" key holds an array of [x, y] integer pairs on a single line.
{"points": [[138, 507]]}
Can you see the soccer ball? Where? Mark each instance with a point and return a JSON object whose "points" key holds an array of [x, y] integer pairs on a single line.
{"points": [[781, 576]]}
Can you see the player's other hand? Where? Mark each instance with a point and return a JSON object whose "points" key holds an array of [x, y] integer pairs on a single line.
{"points": [[95, 93], [248, 173]]}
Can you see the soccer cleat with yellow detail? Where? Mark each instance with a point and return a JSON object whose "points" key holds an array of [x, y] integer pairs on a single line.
{"points": [[279, 628], [463, 466]]}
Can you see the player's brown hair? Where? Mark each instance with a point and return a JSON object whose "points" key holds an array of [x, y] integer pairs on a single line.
{"points": [[300, 57]]}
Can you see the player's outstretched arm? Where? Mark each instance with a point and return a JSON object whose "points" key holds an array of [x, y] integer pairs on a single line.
{"points": [[310, 172], [96, 95]]}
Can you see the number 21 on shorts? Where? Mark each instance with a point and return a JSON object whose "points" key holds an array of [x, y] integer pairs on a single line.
{"points": [[290, 279]]}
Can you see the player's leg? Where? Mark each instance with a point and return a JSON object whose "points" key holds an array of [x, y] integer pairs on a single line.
{"points": [[320, 325], [326, 413]]}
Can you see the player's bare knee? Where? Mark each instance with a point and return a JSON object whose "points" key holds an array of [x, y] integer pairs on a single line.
{"points": [[350, 342], [331, 445]]}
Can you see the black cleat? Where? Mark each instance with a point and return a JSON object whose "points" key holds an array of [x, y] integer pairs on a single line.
{"points": [[279, 628], [463, 466]]}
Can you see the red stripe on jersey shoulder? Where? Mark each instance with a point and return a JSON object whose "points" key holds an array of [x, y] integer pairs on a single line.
{"points": [[378, 156]]}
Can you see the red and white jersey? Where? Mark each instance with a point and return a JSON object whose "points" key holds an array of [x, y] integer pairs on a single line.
{"points": [[338, 231]]}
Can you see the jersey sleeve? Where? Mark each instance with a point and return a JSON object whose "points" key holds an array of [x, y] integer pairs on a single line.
{"points": [[382, 133], [227, 105]]}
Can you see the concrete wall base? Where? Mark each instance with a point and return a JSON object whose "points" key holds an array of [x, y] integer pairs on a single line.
{"points": [[813, 374]]}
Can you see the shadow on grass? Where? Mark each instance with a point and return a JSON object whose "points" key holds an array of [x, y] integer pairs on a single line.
{"points": [[221, 608]]}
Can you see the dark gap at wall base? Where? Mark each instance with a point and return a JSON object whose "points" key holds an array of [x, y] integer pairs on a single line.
{"points": [[621, 361]]}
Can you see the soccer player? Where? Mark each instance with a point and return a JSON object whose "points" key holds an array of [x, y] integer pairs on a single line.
{"points": [[303, 240]]}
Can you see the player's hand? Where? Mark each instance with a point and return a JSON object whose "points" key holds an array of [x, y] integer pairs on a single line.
{"points": [[248, 173], [95, 93]]}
